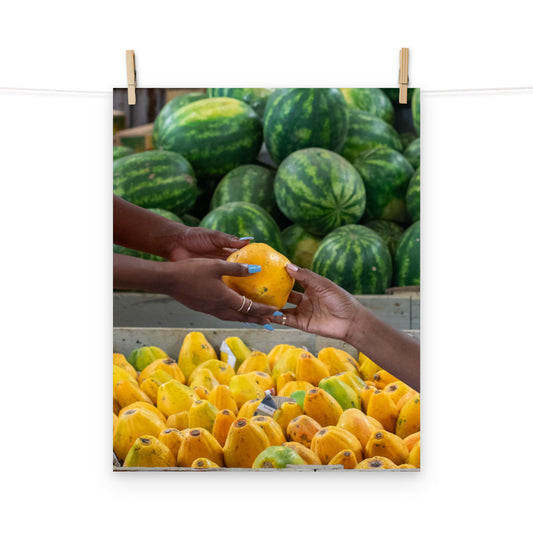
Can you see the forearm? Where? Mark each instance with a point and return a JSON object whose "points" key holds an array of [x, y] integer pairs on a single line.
{"points": [[394, 351], [139, 274], [140, 229]]}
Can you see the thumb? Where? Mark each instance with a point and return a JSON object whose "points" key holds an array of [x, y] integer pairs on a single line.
{"points": [[223, 240], [305, 277], [229, 268]]}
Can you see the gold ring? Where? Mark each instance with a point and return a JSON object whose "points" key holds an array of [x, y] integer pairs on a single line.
{"points": [[284, 320], [242, 305], [249, 307]]}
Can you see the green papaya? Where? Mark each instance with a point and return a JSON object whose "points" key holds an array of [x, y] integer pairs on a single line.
{"points": [[299, 396], [277, 457], [345, 396]]}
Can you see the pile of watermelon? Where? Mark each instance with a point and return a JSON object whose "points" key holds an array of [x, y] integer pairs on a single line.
{"points": [[329, 177]]}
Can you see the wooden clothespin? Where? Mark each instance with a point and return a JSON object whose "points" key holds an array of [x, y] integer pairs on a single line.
{"points": [[132, 76], [404, 74]]}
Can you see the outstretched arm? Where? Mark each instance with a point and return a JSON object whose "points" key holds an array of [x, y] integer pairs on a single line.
{"points": [[328, 310]]}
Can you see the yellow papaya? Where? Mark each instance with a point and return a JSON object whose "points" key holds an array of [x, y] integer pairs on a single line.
{"points": [[150, 386], [358, 424], [311, 369], [337, 360], [171, 438], [255, 362], [308, 455], [382, 408], [132, 424], [119, 374], [201, 392], [115, 419], [368, 369], [330, 440], [283, 380], [409, 417], [174, 397], [396, 390], [169, 366], [386, 444], [352, 380], [286, 362], [405, 398], [179, 421], [116, 405], [376, 463], [406, 465], [202, 463], [203, 378], [376, 423], [202, 414], [277, 457], [140, 358], [144, 405], [121, 361], [221, 398], [271, 428], [248, 409], [194, 351], [293, 386], [223, 422], [234, 352], [286, 413], [382, 378], [127, 392], [245, 441], [196, 443], [302, 429], [321, 406], [366, 392], [414, 456], [411, 440], [263, 379], [345, 396], [148, 451], [221, 370], [244, 388], [346, 458], [276, 353]]}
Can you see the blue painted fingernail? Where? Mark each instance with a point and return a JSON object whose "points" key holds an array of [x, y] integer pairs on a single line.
{"points": [[245, 238], [253, 269], [277, 313], [268, 327]]}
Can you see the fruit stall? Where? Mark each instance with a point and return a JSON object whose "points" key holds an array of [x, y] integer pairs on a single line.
{"points": [[329, 179]]}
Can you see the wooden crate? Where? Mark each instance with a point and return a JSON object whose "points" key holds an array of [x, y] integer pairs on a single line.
{"points": [[138, 138], [119, 121]]}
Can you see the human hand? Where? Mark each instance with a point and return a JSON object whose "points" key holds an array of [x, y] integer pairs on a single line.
{"points": [[201, 242], [324, 308]]}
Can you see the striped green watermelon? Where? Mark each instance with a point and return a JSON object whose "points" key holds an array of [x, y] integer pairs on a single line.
{"points": [[245, 219], [412, 153], [407, 137], [373, 101], [300, 245], [366, 131], [170, 107], [121, 151], [117, 249], [156, 179], [214, 134], [386, 174], [412, 197], [190, 220], [407, 258], [302, 118], [390, 232], [319, 190], [415, 107], [247, 183], [356, 258], [255, 98]]}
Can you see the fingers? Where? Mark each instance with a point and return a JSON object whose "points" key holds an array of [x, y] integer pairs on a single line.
{"points": [[287, 319], [228, 268], [295, 297], [305, 277], [223, 240]]}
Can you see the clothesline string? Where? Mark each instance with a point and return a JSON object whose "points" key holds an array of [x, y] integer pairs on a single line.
{"points": [[423, 91]]}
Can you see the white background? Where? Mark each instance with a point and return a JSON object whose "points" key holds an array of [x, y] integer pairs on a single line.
{"points": [[56, 228]]}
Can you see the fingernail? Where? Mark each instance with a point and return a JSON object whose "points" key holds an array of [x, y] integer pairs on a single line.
{"points": [[245, 238], [292, 267], [253, 269], [277, 313], [268, 327]]}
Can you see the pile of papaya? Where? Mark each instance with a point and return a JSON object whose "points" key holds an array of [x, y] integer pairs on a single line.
{"points": [[200, 410]]}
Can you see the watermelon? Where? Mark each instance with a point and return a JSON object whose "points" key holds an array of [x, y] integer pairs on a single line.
{"points": [[255, 98], [319, 190], [117, 249], [407, 258], [389, 231], [412, 153], [121, 151], [412, 197], [407, 137], [156, 179], [245, 219], [247, 183], [373, 101], [302, 118], [356, 258], [386, 174], [190, 220], [170, 107], [300, 245], [366, 131], [415, 108], [214, 134]]}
